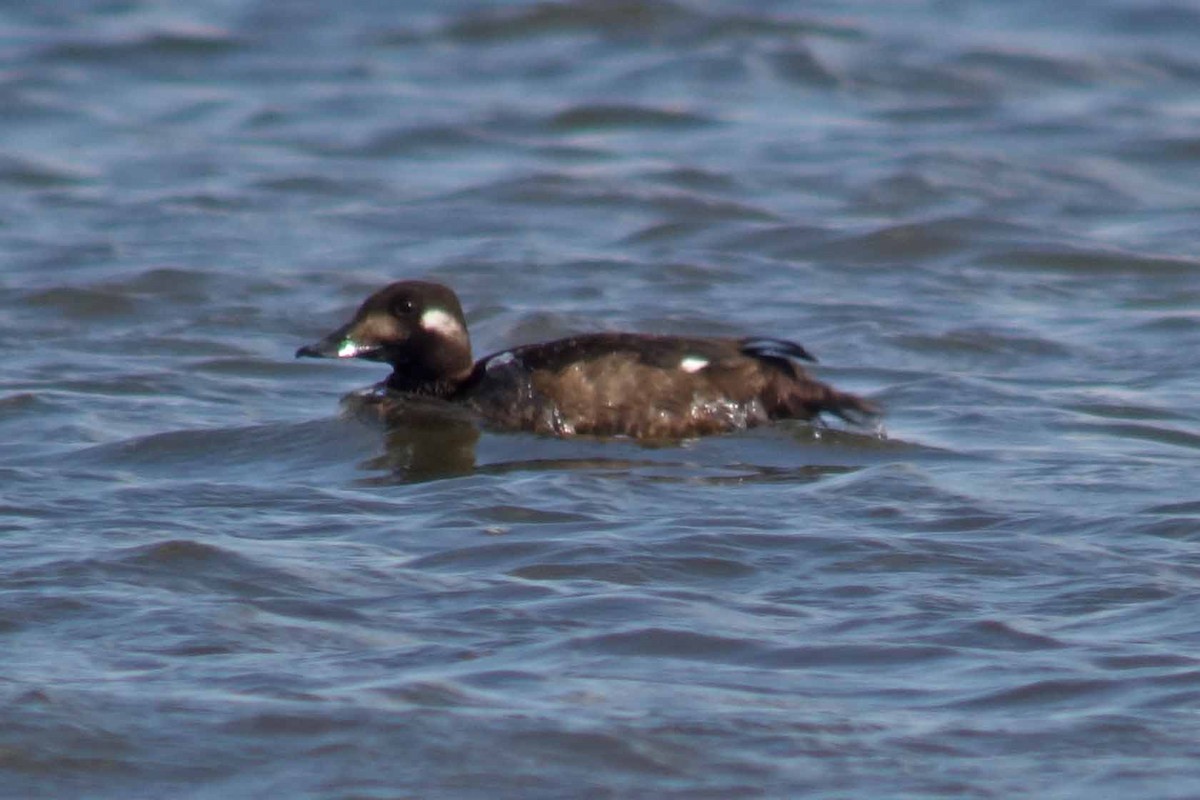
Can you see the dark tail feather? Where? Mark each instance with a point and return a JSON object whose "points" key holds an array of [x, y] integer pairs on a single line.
{"points": [[809, 399], [852, 408], [768, 347]]}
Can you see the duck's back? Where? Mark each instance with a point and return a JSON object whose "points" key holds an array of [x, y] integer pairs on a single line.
{"points": [[649, 387]]}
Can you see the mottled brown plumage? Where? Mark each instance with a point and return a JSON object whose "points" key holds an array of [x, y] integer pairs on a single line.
{"points": [[603, 384]]}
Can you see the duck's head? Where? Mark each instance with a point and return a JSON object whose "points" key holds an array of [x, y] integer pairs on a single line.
{"points": [[416, 326]]}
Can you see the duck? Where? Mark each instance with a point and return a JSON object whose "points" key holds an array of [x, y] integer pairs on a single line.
{"points": [[641, 386]]}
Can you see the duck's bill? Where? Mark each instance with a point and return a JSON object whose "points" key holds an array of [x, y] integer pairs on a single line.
{"points": [[340, 344]]}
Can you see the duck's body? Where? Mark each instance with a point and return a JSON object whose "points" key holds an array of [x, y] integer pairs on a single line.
{"points": [[603, 384]]}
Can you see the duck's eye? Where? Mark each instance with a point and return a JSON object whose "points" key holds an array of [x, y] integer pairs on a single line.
{"points": [[403, 306]]}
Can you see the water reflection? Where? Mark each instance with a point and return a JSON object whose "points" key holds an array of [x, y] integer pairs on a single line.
{"points": [[423, 440], [426, 440]]}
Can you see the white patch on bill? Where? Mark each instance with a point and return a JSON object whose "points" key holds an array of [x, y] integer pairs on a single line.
{"points": [[439, 321], [693, 364], [349, 349]]}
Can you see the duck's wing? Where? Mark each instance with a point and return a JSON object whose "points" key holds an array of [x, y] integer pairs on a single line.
{"points": [[663, 352]]}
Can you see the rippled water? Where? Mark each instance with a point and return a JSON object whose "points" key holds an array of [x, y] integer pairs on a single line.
{"points": [[982, 215]]}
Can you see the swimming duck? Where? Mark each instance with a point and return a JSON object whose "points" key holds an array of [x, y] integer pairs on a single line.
{"points": [[600, 384]]}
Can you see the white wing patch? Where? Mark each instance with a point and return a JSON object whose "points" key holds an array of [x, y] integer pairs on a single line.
{"points": [[439, 321], [500, 361], [693, 364]]}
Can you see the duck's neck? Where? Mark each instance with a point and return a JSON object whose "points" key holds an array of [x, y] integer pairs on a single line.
{"points": [[410, 382], [432, 365]]}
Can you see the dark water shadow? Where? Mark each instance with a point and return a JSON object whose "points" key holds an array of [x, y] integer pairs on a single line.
{"points": [[428, 440], [419, 441], [424, 443]]}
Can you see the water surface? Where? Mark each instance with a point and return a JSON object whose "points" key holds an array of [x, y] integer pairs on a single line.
{"points": [[216, 584]]}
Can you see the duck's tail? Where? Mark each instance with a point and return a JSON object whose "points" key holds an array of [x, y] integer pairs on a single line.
{"points": [[806, 398]]}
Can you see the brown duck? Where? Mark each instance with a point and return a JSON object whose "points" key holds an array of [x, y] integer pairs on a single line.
{"points": [[598, 384]]}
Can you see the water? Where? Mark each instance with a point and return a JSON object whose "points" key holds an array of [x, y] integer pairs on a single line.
{"points": [[981, 215]]}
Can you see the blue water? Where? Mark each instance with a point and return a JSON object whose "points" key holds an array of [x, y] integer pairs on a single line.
{"points": [[217, 583]]}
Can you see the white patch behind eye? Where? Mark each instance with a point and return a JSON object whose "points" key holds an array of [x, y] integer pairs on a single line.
{"points": [[439, 321], [693, 364]]}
